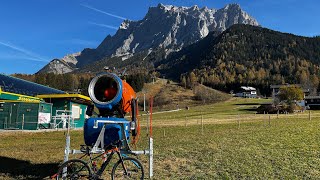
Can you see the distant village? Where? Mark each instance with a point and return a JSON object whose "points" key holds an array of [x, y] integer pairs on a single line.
{"points": [[308, 101]]}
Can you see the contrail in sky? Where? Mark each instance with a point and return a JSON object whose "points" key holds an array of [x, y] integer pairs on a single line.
{"points": [[103, 12], [31, 56], [104, 25]]}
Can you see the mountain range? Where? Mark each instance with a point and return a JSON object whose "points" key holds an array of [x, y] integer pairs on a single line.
{"points": [[247, 55], [163, 30], [224, 54]]}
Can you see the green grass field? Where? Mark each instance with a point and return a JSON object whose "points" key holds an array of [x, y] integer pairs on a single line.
{"points": [[286, 147]]}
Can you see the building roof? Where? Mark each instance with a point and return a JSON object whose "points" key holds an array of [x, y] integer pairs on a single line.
{"points": [[289, 85], [283, 85], [73, 97], [312, 97], [248, 88], [20, 86]]}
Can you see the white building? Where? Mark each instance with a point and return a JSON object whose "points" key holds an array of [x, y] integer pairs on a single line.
{"points": [[247, 92]]}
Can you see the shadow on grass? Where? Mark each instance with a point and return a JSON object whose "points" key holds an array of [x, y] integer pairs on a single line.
{"points": [[249, 109], [242, 104], [24, 169]]}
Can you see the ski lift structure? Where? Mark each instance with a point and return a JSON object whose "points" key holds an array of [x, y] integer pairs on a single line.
{"points": [[114, 98]]}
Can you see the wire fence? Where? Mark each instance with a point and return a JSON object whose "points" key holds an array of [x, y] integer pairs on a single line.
{"points": [[165, 119], [32, 122], [21, 122], [203, 118], [238, 121]]}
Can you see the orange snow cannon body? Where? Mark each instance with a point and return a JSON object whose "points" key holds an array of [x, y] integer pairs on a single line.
{"points": [[108, 91]]}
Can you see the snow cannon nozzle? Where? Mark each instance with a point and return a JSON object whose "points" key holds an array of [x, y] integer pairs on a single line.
{"points": [[109, 93]]}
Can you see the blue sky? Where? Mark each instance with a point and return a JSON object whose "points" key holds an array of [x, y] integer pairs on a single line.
{"points": [[33, 32]]}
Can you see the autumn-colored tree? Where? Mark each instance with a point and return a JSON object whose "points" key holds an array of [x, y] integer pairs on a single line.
{"points": [[314, 83], [183, 81], [193, 79], [304, 78], [290, 94]]}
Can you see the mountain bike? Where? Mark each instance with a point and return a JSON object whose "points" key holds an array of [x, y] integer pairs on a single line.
{"points": [[124, 168]]}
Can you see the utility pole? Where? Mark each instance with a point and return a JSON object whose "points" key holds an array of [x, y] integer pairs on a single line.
{"points": [[144, 102]]}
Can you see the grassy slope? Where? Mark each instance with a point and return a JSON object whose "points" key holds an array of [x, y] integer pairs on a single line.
{"points": [[167, 96], [288, 148], [213, 113], [171, 94]]}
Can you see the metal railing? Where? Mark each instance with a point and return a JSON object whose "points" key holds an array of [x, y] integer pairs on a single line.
{"points": [[23, 122], [63, 119]]}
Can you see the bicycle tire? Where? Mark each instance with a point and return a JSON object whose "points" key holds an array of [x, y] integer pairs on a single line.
{"points": [[77, 168], [133, 167]]}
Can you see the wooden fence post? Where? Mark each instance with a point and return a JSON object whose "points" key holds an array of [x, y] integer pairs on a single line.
{"points": [[186, 122], [286, 115], [202, 125], [201, 117], [264, 120], [164, 130], [238, 121], [309, 115]]}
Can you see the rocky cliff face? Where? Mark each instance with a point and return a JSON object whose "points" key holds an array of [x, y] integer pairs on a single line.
{"points": [[60, 66], [165, 26], [56, 66]]}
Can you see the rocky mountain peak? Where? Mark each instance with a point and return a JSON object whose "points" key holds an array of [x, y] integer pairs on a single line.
{"points": [[232, 6], [166, 27], [125, 24], [71, 58]]}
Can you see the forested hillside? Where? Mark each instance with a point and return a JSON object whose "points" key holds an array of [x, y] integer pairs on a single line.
{"points": [[78, 83], [247, 55]]}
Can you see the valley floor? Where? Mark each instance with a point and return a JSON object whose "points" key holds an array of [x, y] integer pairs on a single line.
{"points": [[234, 143]]}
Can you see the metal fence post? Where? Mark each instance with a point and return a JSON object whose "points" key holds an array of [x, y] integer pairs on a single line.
{"points": [[22, 125], [55, 122], [67, 149], [5, 124], [151, 157], [147, 123]]}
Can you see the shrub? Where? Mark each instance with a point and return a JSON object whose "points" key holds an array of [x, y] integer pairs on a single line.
{"points": [[282, 108], [270, 109]]}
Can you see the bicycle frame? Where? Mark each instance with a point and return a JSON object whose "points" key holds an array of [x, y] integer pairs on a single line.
{"points": [[98, 149], [105, 164]]}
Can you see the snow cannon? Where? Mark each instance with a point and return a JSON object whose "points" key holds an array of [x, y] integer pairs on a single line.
{"points": [[109, 94], [114, 98], [113, 132]]}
